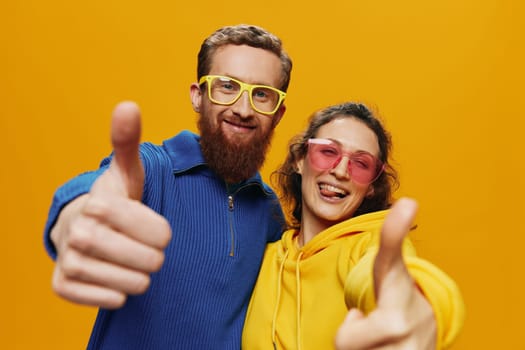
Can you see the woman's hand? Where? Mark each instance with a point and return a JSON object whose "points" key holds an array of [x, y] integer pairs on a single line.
{"points": [[403, 318]]}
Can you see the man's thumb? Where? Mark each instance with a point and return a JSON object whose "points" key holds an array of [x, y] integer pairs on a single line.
{"points": [[125, 138]]}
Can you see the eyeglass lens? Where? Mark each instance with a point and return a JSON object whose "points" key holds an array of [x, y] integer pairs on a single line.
{"points": [[363, 167], [225, 90]]}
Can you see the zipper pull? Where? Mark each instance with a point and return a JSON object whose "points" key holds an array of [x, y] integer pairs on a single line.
{"points": [[230, 202]]}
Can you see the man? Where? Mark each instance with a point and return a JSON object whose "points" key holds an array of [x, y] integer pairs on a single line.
{"points": [[193, 210]]}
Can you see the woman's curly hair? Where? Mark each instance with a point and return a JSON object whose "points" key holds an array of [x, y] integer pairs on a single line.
{"points": [[288, 181]]}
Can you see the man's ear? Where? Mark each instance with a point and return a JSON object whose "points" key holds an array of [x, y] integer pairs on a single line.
{"points": [[196, 97], [278, 115]]}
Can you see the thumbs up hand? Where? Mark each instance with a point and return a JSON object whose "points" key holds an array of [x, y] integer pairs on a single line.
{"points": [[107, 241], [403, 318]]}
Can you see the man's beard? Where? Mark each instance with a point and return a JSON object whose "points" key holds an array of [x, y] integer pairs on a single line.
{"points": [[234, 162]]}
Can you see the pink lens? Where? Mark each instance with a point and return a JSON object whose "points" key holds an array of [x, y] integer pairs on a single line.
{"points": [[325, 154]]}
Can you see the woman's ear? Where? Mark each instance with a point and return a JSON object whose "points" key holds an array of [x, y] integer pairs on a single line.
{"points": [[196, 97], [299, 166], [371, 191]]}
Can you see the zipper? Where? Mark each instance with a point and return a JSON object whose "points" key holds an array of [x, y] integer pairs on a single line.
{"points": [[231, 207], [232, 236], [230, 202]]}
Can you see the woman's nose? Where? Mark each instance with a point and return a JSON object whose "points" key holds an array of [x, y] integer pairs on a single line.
{"points": [[342, 169]]}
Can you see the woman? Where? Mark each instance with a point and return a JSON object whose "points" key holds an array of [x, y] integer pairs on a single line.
{"points": [[337, 183]]}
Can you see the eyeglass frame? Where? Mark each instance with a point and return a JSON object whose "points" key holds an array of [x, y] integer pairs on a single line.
{"points": [[244, 87], [380, 166]]}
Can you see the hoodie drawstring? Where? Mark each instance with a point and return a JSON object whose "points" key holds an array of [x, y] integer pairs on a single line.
{"points": [[298, 299], [275, 311]]}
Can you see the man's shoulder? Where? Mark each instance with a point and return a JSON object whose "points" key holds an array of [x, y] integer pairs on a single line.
{"points": [[183, 137], [184, 141]]}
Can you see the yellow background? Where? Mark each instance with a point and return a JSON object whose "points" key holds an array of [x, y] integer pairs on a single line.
{"points": [[446, 75]]}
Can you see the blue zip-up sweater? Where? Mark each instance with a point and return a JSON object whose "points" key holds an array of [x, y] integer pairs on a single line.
{"points": [[198, 299]]}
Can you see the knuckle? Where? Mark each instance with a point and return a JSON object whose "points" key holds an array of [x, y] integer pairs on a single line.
{"points": [[62, 286], [80, 239], [167, 238], [82, 235], [116, 302], [160, 261], [141, 284], [58, 283], [153, 260], [165, 233], [97, 207], [71, 265], [87, 237]]}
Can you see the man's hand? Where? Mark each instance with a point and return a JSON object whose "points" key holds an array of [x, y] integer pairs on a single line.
{"points": [[403, 319], [107, 241]]}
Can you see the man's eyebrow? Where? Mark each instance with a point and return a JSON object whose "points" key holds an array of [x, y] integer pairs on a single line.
{"points": [[239, 79]]}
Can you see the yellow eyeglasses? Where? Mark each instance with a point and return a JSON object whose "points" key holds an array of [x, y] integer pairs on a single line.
{"points": [[224, 90]]}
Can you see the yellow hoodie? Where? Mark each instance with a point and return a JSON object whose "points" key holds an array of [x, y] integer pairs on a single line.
{"points": [[299, 298]]}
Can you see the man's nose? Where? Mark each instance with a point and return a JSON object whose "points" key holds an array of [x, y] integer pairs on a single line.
{"points": [[243, 107]]}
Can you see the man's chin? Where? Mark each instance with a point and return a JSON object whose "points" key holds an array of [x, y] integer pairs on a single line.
{"points": [[238, 137], [235, 156]]}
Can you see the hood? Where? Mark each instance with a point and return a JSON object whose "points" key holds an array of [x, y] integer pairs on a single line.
{"points": [[288, 252], [370, 222]]}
